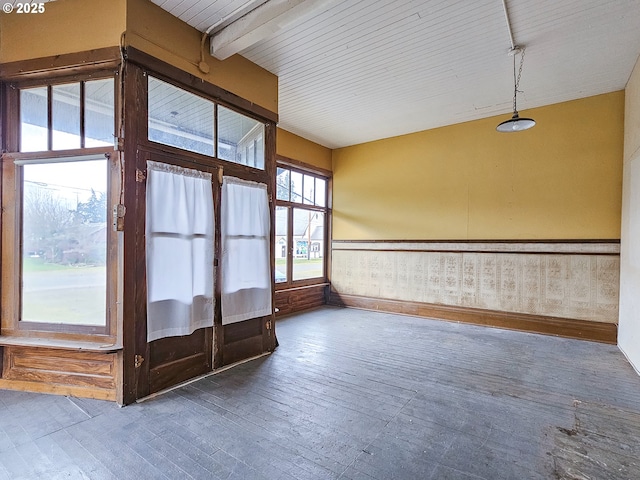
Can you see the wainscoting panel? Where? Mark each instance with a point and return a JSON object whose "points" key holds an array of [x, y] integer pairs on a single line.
{"points": [[574, 280], [65, 372], [298, 299]]}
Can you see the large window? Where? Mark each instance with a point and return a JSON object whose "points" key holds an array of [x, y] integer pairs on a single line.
{"points": [[181, 119], [301, 221], [64, 241], [56, 226]]}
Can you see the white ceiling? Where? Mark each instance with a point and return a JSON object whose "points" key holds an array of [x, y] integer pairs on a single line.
{"points": [[362, 70]]}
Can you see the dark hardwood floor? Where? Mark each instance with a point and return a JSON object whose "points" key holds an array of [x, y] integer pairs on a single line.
{"points": [[355, 395]]}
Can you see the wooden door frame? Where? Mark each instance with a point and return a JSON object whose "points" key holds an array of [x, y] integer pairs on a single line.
{"points": [[229, 342]]}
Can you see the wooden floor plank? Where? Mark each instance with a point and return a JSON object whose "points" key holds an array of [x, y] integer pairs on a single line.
{"points": [[89, 465], [355, 395]]}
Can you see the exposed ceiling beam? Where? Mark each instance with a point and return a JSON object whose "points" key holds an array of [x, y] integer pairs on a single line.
{"points": [[262, 22], [239, 12]]}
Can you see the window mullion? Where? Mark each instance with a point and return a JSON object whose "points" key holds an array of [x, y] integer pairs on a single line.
{"points": [[290, 246], [302, 205], [49, 117], [82, 118], [215, 130]]}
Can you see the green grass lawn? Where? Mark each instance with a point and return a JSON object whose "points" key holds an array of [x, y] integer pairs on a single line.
{"points": [[63, 294], [38, 265], [302, 268], [76, 306], [300, 261], [304, 261]]}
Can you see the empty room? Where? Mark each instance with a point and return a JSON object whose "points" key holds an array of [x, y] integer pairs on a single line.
{"points": [[320, 239]]}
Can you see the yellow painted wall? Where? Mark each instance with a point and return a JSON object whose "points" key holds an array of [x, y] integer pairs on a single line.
{"points": [[160, 34], [66, 26], [69, 26], [560, 180], [298, 148]]}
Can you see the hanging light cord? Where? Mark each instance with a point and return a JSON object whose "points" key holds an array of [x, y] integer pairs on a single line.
{"points": [[516, 81], [515, 123]]}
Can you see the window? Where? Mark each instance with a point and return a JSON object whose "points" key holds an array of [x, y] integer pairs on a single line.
{"points": [[301, 222], [64, 241], [308, 238], [240, 139], [181, 119], [244, 235], [179, 234], [56, 199], [67, 116], [281, 243]]}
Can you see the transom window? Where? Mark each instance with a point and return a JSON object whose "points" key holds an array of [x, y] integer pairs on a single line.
{"points": [[67, 116], [181, 119]]}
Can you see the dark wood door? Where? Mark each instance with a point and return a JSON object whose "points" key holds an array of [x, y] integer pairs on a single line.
{"points": [[163, 363], [150, 367], [172, 360]]}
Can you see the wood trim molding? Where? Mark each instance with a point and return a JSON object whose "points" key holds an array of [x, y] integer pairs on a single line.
{"points": [[56, 389], [294, 288], [561, 327], [59, 344], [183, 79], [290, 162], [67, 64], [108, 152], [559, 247], [524, 240]]}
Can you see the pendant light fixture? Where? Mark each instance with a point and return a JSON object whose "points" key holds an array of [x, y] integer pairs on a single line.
{"points": [[516, 123]]}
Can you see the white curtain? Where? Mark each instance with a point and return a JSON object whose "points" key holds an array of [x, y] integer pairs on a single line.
{"points": [[246, 265], [179, 250]]}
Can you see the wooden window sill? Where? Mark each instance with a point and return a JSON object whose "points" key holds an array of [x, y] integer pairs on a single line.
{"points": [[73, 345], [301, 287]]}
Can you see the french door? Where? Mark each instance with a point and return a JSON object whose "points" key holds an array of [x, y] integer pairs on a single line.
{"points": [[167, 361], [179, 271]]}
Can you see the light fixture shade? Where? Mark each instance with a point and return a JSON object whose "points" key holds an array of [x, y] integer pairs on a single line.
{"points": [[515, 124]]}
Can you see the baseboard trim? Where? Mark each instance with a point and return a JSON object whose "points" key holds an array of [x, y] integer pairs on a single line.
{"points": [[561, 327], [58, 389]]}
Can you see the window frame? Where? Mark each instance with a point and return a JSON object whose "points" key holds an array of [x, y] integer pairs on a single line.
{"points": [[304, 169], [12, 218], [16, 145]]}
